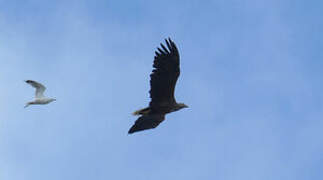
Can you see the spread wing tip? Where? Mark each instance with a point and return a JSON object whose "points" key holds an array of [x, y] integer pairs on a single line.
{"points": [[134, 129], [171, 48], [131, 131]]}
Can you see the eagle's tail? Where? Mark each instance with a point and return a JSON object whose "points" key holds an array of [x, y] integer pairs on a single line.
{"points": [[141, 111]]}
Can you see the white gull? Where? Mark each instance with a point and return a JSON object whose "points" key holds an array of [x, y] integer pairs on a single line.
{"points": [[39, 95]]}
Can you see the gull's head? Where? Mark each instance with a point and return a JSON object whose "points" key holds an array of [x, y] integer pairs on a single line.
{"points": [[53, 99]]}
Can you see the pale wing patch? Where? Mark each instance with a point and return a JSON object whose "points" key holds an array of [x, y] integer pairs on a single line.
{"points": [[39, 88]]}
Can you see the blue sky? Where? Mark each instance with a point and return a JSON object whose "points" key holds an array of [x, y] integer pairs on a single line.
{"points": [[251, 74]]}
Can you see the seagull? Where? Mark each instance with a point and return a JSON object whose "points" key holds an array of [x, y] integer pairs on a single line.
{"points": [[39, 95]]}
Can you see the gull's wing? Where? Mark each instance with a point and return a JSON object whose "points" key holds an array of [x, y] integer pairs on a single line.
{"points": [[39, 88], [165, 74], [147, 122]]}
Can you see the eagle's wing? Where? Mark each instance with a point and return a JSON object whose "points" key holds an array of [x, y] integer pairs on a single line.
{"points": [[39, 88], [147, 122], [165, 74]]}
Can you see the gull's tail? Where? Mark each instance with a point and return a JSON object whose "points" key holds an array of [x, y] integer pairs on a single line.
{"points": [[27, 104]]}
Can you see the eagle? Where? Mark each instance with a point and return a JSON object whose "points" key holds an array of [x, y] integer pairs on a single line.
{"points": [[163, 79]]}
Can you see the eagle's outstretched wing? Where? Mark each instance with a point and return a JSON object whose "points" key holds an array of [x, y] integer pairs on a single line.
{"points": [[147, 122], [165, 74]]}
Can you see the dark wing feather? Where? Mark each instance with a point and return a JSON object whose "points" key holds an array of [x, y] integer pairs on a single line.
{"points": [[147, 122], [165, 74], [39, 88]]}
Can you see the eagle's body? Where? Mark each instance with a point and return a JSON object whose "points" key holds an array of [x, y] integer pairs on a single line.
{"points": [[162, 83], [160, 109]]}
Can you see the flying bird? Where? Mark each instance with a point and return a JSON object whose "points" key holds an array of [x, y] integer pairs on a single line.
{"points": [[39, 95], [162, 86]]}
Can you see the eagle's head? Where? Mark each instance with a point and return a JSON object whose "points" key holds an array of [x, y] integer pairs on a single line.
{"points": [[180, 106]]}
